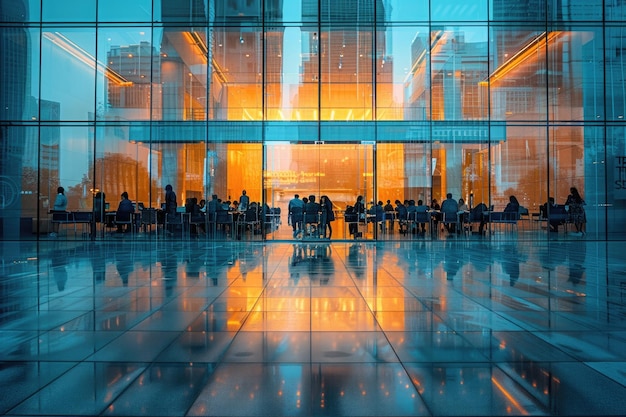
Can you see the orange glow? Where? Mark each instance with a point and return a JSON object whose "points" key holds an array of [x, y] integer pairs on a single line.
{"points": [[509, 396]]}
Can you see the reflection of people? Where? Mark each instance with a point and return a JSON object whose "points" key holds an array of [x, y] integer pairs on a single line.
{"points": [[60, 206], [328, 215], [576, 209], [59, 271], [577, 252], [124, 212]]}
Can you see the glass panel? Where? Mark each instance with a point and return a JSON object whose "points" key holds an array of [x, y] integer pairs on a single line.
{"points": [[21, 11], [614, 10], [291, 74], [181, 12], [576, 74], [232, 13], [615, 66], [277, 11], [125, 63], [406, 11], [179, 74], [237, 74], [68, 10], [518, 11], [517, 83], [577, 156], [573, 10], [566, 154], [459, 64], [347, 82], [18, 182], [123, 165], [66, 160], [351, 11], [20, 72], [68, 74], [125, 11], [518, 167], [459, 10], [616, 181], [341, 172], [403, 73]]}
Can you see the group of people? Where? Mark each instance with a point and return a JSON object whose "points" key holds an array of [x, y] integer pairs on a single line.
{"points": [[574, 208], [308, 216]]}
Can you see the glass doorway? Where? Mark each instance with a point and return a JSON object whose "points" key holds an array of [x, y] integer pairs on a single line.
{"points": [[341, 172]]}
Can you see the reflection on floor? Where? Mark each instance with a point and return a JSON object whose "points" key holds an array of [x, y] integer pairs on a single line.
{"points": [[174, 328]]}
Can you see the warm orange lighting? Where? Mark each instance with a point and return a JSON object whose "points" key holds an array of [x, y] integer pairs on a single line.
{"points": [[509, 396]]}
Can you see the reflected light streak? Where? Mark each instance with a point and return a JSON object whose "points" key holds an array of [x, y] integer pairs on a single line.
{"points": [[542, 41], [509, 396], [86, 58]]}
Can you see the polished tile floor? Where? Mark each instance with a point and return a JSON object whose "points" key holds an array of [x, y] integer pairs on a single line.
{"points": [[193, 328]]}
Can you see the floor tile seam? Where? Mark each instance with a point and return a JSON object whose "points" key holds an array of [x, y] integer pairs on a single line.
{"points": [[46, 385]]}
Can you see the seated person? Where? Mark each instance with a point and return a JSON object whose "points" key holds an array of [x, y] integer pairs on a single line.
{"points": [[550, 207], [402, 216], [480, 213], [311, 211], [449, 210], [124, 213], [421, 208]]}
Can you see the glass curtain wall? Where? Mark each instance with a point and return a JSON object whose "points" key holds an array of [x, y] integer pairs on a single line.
{"points": [[417, 99]]}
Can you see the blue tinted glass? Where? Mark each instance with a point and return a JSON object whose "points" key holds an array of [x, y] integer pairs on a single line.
{"points": [[125, 11], [406, 11], [69, 10], [459, 10]]}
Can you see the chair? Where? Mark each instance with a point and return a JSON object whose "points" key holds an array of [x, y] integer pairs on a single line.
{"points": [[311, 225], [506, 219], [62, 218], [248, 220], [175, 221], [423, 218], [84, 218], [125, 219], [222, 219], [147, 219], [450, 221]]}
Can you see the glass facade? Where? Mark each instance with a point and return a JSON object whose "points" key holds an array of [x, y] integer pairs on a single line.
{"points": [[389, 99]]}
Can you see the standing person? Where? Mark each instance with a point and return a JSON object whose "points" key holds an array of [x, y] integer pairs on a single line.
{"points": [[124, 213], [389, 215], [59, 210], [244, 201], [295, 209], [359, 210], [170, 204], [328, 215], [576, 209]]}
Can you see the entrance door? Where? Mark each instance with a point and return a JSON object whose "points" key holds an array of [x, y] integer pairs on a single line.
{"points": [[340, 171]]}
